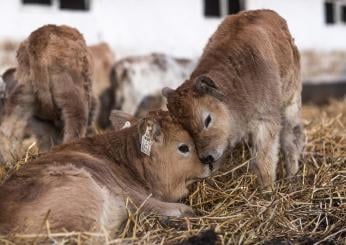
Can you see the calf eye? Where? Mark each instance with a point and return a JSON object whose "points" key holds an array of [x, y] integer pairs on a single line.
{"points": [[207, 121], [183, 148]]}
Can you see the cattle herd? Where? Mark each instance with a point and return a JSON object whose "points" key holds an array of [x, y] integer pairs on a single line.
{"points": [[107, 142]]}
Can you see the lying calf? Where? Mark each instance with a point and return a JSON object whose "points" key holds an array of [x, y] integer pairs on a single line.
{"points": [[246, 86], [54, 84], [85, 185]]}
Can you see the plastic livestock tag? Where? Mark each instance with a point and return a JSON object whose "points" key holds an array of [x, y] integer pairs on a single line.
{"points": [[147, 141]]}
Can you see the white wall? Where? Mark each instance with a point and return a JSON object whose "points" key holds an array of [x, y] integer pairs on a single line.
{"points": [[176, 27], [306, 21]]}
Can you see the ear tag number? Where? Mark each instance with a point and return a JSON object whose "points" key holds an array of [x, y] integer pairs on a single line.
{"points": [[147, 141]]}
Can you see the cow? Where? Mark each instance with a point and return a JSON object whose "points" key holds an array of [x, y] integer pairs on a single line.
{"points": [[246, 86], [92, 183], [54, 83], [135, 77], [104, 59]]}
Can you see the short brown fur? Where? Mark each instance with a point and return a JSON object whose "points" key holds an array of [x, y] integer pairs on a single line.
{"points": [[54, 83], [83, 186]]}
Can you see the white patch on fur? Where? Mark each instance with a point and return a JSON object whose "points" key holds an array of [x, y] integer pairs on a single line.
{"points": [[292, 111], [206, 172]]}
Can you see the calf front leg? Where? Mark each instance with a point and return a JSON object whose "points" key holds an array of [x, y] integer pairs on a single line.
{"points": [[265, 152], [156, 206], [292, 137]]}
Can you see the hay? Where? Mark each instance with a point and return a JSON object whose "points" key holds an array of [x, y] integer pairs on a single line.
{"points": [[308, 209]]}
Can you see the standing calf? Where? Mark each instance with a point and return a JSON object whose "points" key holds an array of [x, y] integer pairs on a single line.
{"points": [[246, 86], [53, 83], [84, 185]]}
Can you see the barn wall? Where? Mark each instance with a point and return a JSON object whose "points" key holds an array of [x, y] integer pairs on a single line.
{"points": [[133, 26], [306, 22], [177, 26]]}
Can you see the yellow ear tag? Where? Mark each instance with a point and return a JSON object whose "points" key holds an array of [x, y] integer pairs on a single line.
{"points": [[146, 142]]}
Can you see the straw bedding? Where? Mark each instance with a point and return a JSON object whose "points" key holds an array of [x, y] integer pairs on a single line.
{"points": [[308, 209]]}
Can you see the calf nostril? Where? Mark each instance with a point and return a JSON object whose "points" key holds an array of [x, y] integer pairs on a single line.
{"points": [[208, 160]]}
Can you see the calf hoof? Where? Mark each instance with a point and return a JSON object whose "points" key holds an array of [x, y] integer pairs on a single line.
{"points": [[180, 211]]}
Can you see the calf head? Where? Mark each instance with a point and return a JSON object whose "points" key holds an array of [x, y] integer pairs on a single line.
{"points": [[199, 106], [174, 162]]}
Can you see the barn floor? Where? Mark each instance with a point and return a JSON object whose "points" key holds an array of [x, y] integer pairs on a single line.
{"points": [[310, 209]]}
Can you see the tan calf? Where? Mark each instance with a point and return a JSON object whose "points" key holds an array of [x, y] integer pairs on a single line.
{"points": [[86, 185], [54, 83], [246, 86], [103, 58]]}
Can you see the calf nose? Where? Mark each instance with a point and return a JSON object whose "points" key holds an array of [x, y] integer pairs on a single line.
{"points": [[208, 160]]}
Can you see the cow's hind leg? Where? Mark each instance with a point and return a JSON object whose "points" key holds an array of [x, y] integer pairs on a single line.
{"points": [[71, 100], [292, 137]]}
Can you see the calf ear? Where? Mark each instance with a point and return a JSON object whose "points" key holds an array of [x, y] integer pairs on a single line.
{"points": [[149, 133], [120, 120], [9, 75], [166, 91], [206, 85]]}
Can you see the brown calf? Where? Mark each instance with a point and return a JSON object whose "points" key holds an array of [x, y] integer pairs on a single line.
{"points": [[103, 58], [246, 86], [54, 83], [85, 185]]}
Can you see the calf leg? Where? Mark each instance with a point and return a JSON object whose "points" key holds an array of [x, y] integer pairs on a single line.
{"points": [[153, 205], [167, 208], [74, 106], [265, 152], [292, 137], [18, 110]]}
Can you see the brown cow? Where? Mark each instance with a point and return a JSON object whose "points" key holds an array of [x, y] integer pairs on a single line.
{"points": [[245, 86], [89, 184], [54, 83], [104, 59]]}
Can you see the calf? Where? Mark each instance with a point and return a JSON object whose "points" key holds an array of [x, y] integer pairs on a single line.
{"points": [[103, 59], [91, 183], [54, 83], [136, 77], [245, 86]]}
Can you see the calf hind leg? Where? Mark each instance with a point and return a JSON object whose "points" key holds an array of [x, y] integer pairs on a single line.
{"points": [[292, 137], [74, 106]]}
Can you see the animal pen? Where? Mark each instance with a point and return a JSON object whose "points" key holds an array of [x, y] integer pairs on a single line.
{"points": [[230, 207]]}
